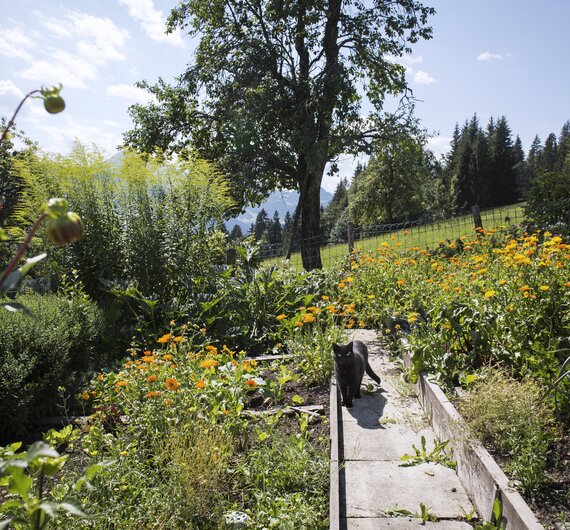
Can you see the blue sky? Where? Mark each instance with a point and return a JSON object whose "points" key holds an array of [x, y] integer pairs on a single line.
{"points": [[492, 57]]}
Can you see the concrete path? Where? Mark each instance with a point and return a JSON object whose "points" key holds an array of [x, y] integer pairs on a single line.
{"points": [[373, 436]]}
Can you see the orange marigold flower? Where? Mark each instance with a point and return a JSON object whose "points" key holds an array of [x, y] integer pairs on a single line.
{"points": [[168, 402], [325, 298], [121, 383], [251, 383], [167, 357], [153, 393], [165, 338], [179, 339], [85, 395], [401, 282], [172, 384], [208, 363], [282, 316], [313, 309], [200, 384], [308, 318], [212, 349], [151, 378], [299, 324], [567, 284], [100, 377]]}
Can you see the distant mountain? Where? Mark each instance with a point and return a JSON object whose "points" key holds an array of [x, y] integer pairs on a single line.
{"points": [[280, 201]]}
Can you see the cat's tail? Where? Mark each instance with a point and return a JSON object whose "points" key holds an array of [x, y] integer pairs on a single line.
{"points": [[371, 373]]}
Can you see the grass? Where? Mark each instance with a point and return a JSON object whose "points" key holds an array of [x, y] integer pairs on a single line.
{"points": [[427, 235]]}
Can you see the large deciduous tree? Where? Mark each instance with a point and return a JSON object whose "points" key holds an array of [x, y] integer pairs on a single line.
{"points": [[275, 89]]}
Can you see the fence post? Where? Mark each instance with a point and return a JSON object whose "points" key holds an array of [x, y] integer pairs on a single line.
{"points": [[476, 216], [350, 237]]}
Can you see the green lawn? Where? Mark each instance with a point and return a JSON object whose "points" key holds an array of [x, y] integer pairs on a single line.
{"points": [[427, 235]]}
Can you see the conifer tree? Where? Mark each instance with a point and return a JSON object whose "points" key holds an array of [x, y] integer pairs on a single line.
{"points": [[275, 231], [502, 178]]}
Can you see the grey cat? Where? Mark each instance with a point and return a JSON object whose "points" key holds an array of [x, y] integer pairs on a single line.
{"points": [[351, 361]]}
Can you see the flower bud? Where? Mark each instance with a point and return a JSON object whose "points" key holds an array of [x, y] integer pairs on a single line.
{"points": [[65, 229]]}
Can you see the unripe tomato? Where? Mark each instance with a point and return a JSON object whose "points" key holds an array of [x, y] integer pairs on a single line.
{"points": [[54, 104], [65, 229]]}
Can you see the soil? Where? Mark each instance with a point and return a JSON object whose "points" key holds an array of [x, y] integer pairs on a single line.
{"points": [[552, 503], [309, 396]]}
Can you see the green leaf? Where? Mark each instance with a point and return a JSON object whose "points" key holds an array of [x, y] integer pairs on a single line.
{"points": [[19, 483], [91, 471], [16, 306], [38, 449], [4, 525], [72, 506], [53, 465], [31, 262], [49, 508], [6, 506]]}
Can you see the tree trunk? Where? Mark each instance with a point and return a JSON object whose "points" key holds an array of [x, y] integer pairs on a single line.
{"points": [[310, 204]]}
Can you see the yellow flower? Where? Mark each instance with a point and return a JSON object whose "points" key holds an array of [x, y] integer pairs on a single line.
{"points": [[172, 384], [100, 377], [164, 339], [299, 324], [179, 339], [502, 282], [151, 378], [85, 395], [208, 363], [167, 357], [325, 298], [212, 349], [361, 323], [121, 384], [524, 289], [490, 294], [281, 316], [200, 384], [313, 309], [401, 282], [544, 288], [446, 325], [308, 318], [342, 285], [203, 331]]}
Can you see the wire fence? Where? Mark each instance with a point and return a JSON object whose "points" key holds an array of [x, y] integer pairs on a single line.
{"points": [[406, 234]]}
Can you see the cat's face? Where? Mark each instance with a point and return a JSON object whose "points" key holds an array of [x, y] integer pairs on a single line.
{"points": [[343, 355]]}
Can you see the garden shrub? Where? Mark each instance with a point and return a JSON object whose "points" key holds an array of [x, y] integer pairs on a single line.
{"points": [[54, 347], [512, 418]]}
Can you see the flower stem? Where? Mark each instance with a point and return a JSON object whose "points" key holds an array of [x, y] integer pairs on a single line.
{"points": [[12, 265]]}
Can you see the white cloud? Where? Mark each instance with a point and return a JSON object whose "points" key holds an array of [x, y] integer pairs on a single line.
{"points": [[62, 137], [111, 123], [65, 68], [132, 93], [440, 145], [15, 43], [423, 78], [8, 87], [152, 21], [488, 56], [97, 39]]}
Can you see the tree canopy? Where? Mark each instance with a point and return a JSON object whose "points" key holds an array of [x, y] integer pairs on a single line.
{"points": [[275, 90]]}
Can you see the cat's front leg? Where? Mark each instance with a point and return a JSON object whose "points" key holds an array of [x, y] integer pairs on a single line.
{"points": [[349, 395], [344, 394]]}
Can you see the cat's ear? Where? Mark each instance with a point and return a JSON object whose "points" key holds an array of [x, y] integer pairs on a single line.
{"points": [[350, 346], [336, 348]]}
